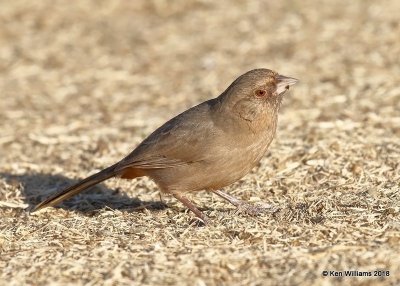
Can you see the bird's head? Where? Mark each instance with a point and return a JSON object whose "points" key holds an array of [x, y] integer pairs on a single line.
{"points": [[258, 92]]}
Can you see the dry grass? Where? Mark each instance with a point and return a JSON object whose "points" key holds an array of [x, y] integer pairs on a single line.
{"points": [[82, 83]]}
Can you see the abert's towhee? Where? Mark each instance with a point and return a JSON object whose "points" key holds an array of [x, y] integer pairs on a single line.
{"points": [[207, 147]]}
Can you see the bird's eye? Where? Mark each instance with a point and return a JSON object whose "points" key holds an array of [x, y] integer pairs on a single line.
{"points": [[260, 93]]}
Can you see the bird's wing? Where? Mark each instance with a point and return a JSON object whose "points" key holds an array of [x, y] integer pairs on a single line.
{"points": [[154, 162], [184, 139]]}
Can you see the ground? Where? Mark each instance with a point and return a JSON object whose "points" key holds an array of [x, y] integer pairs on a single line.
{"points": [[82, 83]]}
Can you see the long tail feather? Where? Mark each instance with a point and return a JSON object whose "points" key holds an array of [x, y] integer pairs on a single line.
{"points": [[78, 187]]}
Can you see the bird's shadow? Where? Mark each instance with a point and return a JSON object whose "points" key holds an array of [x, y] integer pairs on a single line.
{"points": [[37, 187]]}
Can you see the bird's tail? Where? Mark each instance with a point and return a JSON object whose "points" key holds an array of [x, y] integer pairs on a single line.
{"points": [[79, 187]]}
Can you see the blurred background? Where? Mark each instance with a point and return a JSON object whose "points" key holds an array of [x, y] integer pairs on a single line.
{"points": [[120, 65], [83, 82]]}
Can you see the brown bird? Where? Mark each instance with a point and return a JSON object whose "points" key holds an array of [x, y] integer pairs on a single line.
{"points": [[207, 147]]}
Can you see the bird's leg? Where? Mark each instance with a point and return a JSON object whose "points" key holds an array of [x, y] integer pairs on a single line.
{"points": [[161, 199], [186, 202], [245, 206]]}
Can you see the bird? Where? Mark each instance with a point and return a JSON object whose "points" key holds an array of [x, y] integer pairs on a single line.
{"points": [[207, 147]]}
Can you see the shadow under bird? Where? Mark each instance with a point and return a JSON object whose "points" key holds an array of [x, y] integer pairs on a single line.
{"points": [[207, 147]]}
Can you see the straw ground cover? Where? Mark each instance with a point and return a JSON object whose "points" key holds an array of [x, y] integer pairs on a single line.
{"points": [[82, 83]]}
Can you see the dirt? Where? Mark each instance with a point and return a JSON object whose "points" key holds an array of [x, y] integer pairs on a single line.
{"points": [[82, 83]]}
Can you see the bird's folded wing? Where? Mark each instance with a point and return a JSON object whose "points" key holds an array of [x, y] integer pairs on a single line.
{"points": [[185, 139], [159, 162]]}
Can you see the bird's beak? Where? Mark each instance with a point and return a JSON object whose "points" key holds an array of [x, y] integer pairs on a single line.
{"points": [[284, 82]]}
